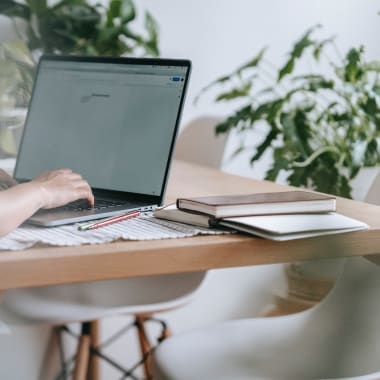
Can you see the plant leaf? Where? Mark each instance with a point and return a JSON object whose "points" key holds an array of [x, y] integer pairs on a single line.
{"points": [[353, 70], [286, 69], [235, 92], [240, 116], [315, 85], [372, 153], [38, 7], [304, 42], [152, 29], [127, 11], [296, 132], [320, 46], [271, 136], [303, 130], [280, 163], [225, 78], [372, 66], [353, 172], [124, 10], [298, 49], [253, 62], [113, 12], [12, 8], [372, 110], [314, 82], [220, 80], [299, 176], [237, 151]]}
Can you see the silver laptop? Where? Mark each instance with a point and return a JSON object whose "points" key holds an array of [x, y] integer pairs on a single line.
{"points": [[113, 120]]}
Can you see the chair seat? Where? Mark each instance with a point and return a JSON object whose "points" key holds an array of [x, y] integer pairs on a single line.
{"points": [[94, 300], [338, 338], [254, 349]]}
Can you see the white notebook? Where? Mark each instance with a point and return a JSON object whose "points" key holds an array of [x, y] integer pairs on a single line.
{"points": [[274, 227], [294, 226]]}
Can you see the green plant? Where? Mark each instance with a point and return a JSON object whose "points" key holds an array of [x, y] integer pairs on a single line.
{"points": [[321, 129], [66, 27], [77, 27], [62, 27]]}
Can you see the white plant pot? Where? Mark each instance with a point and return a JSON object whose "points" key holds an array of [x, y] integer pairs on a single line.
{"points": [[11, 127], [365, 187]]}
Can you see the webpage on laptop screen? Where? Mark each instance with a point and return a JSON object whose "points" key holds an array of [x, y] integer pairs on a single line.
{"points": [[112, 123]]}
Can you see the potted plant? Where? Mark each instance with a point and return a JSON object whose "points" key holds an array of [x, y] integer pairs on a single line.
{"points": [[16, 81], [65, 27], [78, 27], [322, 129]]}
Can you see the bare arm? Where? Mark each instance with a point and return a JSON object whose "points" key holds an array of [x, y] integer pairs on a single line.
{"points": [[50, 189]]}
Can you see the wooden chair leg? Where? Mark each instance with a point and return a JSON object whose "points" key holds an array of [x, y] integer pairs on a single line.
{"points": [[94, 362], [145, 346], [166, 333], [51, 362], [83, 353]]}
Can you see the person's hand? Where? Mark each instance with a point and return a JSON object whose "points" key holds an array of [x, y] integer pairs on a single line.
{"points": [[6, 181], [62, 186]]}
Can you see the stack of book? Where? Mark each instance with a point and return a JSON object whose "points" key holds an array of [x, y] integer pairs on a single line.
{"points": [[276, 216]]}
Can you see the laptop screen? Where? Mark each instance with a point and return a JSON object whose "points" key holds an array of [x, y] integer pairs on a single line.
{"points": [[113, 121]]}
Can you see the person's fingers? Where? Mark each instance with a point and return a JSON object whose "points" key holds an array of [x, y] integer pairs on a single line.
{"points": [[84, 192], [63, 186], [6, 180], [74, 177], [91, 199]]}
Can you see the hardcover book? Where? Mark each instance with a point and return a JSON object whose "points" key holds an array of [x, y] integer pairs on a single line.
{"points": [[286, 202], [171, 212]]}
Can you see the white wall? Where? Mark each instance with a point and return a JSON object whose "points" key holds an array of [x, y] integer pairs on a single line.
{"points": [[219, 35]]}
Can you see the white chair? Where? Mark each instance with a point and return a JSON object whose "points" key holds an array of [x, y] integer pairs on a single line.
{"points": [[374, 190], [60, 305], [339, 338], [199, 144], [142, 297], [336, 339]]}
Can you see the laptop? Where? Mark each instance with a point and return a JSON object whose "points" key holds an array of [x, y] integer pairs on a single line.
{"points": [[114, 121]]}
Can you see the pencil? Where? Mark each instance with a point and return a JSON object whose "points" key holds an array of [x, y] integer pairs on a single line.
{"points": [[110, 220]]}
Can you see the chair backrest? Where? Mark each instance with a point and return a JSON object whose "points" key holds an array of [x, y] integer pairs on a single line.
{"points": [[351, 315], [352, 312], [199, 144], [373, 195]]}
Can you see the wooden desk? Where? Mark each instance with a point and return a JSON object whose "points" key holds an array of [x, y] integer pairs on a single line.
{"points": [[52, 265]]}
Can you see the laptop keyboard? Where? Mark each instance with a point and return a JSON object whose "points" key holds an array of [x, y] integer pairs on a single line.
{"points": [[100, 204]]}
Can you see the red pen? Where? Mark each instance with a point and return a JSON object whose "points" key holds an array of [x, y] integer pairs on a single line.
{"points": [[110, 220]]}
